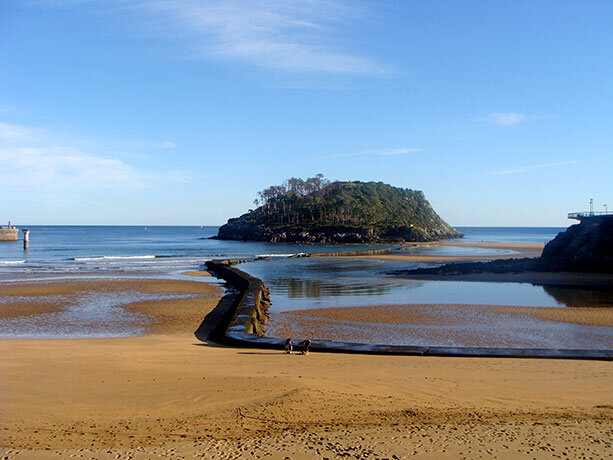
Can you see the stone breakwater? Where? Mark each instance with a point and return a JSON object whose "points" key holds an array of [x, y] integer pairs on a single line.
{"points": [[251, 302], [250, 313]]}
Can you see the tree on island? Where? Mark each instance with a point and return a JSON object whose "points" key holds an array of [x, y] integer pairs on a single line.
{"points": [[319, 210]]}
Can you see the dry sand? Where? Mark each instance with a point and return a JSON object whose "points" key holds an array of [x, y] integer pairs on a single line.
{"points": [[167, 395], [171, 396]]}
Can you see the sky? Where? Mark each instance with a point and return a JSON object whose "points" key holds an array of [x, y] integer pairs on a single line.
{"points": [[177, 112]]}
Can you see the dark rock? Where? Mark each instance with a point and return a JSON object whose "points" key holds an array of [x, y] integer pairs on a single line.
{"points": [[586, 247]]}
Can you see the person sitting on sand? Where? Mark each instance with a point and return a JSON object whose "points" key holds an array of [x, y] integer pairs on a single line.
{"points": [[305, 344], [289, 346]]}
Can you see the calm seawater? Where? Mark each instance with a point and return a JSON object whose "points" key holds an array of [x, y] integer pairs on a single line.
{"points": [[122, 251], [510, 234]]}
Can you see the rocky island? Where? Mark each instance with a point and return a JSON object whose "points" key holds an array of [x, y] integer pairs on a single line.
{"points": [[316, 210]]}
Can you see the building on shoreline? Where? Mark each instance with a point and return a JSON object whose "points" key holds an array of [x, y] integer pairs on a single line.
{"points": [[9, 233]]}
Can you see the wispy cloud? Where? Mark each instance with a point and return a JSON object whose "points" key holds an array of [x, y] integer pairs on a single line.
{"points": [[55, 166], [288, 35], [508, 118], [33, 158], [168, 145], [10, 132], [505, 172], [378, 152]]}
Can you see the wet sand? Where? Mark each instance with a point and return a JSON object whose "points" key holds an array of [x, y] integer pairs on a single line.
{"points": [[199, 273], [421, 313], [168, 315], [497, 326], [520, 250]]}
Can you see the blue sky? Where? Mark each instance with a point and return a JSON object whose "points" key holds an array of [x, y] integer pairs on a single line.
{"points": [[179, 111]]}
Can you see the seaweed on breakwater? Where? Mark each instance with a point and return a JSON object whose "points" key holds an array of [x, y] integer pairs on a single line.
{"points": [[249, 314]]}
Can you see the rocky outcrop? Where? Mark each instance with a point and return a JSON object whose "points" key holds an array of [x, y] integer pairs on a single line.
{"points": [[584, 247], [236, 229]]}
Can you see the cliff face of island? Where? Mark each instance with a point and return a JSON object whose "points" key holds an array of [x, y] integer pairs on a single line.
{"points": [[317, 211], [584, 247]]}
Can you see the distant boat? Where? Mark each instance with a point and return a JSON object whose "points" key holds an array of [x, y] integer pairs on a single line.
{"points": [[9, 233]]}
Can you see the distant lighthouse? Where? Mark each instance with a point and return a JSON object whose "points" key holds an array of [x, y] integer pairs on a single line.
{"points": [[26, 238]]}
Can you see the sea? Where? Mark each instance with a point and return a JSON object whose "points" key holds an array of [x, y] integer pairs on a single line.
{"points": [[114, 252], [169, 250]]}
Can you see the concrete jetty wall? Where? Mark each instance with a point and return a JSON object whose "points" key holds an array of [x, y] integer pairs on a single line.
{"points": [[9, 234], [250, 314]]}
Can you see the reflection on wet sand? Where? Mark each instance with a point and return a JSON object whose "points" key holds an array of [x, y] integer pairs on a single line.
{"points": [[573, 296], [318, 288], [453, 325]]}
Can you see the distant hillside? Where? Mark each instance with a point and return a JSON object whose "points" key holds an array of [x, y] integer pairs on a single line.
{"points": [[318, 211]]}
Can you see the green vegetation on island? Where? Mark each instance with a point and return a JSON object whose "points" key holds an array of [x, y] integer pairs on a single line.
{"points": [[319, 211]]}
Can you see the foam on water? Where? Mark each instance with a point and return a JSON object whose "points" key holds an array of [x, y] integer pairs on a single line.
{"points": [[82, 259]]}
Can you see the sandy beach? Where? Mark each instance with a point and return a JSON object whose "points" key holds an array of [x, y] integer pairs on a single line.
{"points": [[519, 250], [168, 395], [164, 396]]}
